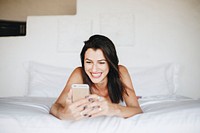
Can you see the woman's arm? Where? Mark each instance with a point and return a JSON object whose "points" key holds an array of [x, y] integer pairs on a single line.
{"points": [[132, 106], [70, 111], [101, 106], [63, 108]]}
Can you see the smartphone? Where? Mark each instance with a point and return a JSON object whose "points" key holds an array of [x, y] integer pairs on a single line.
{"points": [[79, 91]]}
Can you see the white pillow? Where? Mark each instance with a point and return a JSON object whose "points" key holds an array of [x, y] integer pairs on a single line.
{"points": [[46, 80], [49, 81], [154, 81]]}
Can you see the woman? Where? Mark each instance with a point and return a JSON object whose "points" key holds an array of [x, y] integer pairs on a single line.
{"points": [[110, 85]]}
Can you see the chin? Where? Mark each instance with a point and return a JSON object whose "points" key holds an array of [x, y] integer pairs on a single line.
{"points": [[96, 80]]}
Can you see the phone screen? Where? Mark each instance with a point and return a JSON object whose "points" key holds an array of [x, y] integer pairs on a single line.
{"points": [[79, 91]]}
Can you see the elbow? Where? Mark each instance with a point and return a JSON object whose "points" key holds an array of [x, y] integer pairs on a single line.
{"points": [[139, 110], [51, 110], [54, 111]]}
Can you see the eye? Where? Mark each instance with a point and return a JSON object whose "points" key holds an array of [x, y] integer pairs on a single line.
{"points": [[102, 62], [88, 62]]}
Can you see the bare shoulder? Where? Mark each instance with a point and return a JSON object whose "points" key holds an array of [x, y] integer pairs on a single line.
{"points": [[75, 77], [122, 69], [77, 70], [125, 76], [76, 74]]}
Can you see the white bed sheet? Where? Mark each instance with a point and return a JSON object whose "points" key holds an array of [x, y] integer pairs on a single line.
{"points": [[172, 114]]}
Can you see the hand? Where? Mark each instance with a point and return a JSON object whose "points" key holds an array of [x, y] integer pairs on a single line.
{"points": [[74, 110], [99, 106]]}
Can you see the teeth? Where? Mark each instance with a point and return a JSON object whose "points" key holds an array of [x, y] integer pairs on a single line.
{"points": [[96, 75]]}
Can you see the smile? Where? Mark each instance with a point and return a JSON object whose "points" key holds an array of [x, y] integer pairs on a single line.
{"points": [[96, 74]]}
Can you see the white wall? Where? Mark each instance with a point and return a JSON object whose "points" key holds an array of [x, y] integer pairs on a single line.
{"points": [[164, 31]]}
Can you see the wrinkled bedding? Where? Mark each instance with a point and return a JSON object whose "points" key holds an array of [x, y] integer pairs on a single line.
{"points": [[162, 114]]}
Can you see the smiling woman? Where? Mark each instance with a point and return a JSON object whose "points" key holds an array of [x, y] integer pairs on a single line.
{"points": [[96, 65], [110, 85]]}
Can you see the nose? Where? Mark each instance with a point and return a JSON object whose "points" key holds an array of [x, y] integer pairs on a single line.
{"points": [[94, 68]]}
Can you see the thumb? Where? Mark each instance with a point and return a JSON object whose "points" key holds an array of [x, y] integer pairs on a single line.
{"points": [[69, 97]]}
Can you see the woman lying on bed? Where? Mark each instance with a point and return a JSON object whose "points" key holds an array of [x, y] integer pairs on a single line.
{"points": [[110, 85]]}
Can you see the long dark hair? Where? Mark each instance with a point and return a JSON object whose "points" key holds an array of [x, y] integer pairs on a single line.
{"points": [[115, 85]]}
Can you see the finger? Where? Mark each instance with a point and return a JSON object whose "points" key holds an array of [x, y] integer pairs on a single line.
{"points": [[69, 97], [75, 113], [80, 105], [96, 111], [89, 109], [97, 103], [97, 114], [77, 108], [94, 108], [77, 116], [80, 102], [81, 115], [95, 97]]}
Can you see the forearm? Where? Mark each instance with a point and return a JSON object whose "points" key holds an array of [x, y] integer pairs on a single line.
{"points": [[56, 110], [126, 112]]}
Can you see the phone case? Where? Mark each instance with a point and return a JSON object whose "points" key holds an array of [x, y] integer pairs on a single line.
{"points": [[79, 91]]}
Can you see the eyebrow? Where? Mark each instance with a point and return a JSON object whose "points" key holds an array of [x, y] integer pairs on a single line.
{"points": [[97, 60]]}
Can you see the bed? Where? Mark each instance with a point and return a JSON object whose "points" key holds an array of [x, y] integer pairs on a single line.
{"points": [[164, 110]]}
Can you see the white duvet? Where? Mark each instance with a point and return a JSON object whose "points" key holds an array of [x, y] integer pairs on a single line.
{"points": [[164, 114]]}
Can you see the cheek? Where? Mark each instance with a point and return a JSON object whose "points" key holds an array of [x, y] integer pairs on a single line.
{"points": [[87, 67], [105, 69]]}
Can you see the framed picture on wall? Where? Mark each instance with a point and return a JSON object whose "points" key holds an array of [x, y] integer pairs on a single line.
{"points": [[72, 31], [119, 27]]}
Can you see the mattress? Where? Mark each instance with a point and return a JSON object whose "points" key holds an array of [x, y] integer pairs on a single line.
{"points": [[161, 114]]}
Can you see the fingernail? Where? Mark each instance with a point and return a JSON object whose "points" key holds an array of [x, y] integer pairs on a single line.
{"points": [[86, 96], [91, 100], [85, 114], [84, 107], [95, 107]]}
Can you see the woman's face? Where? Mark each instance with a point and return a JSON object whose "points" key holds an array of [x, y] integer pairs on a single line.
{"points": [[96, 66]]}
